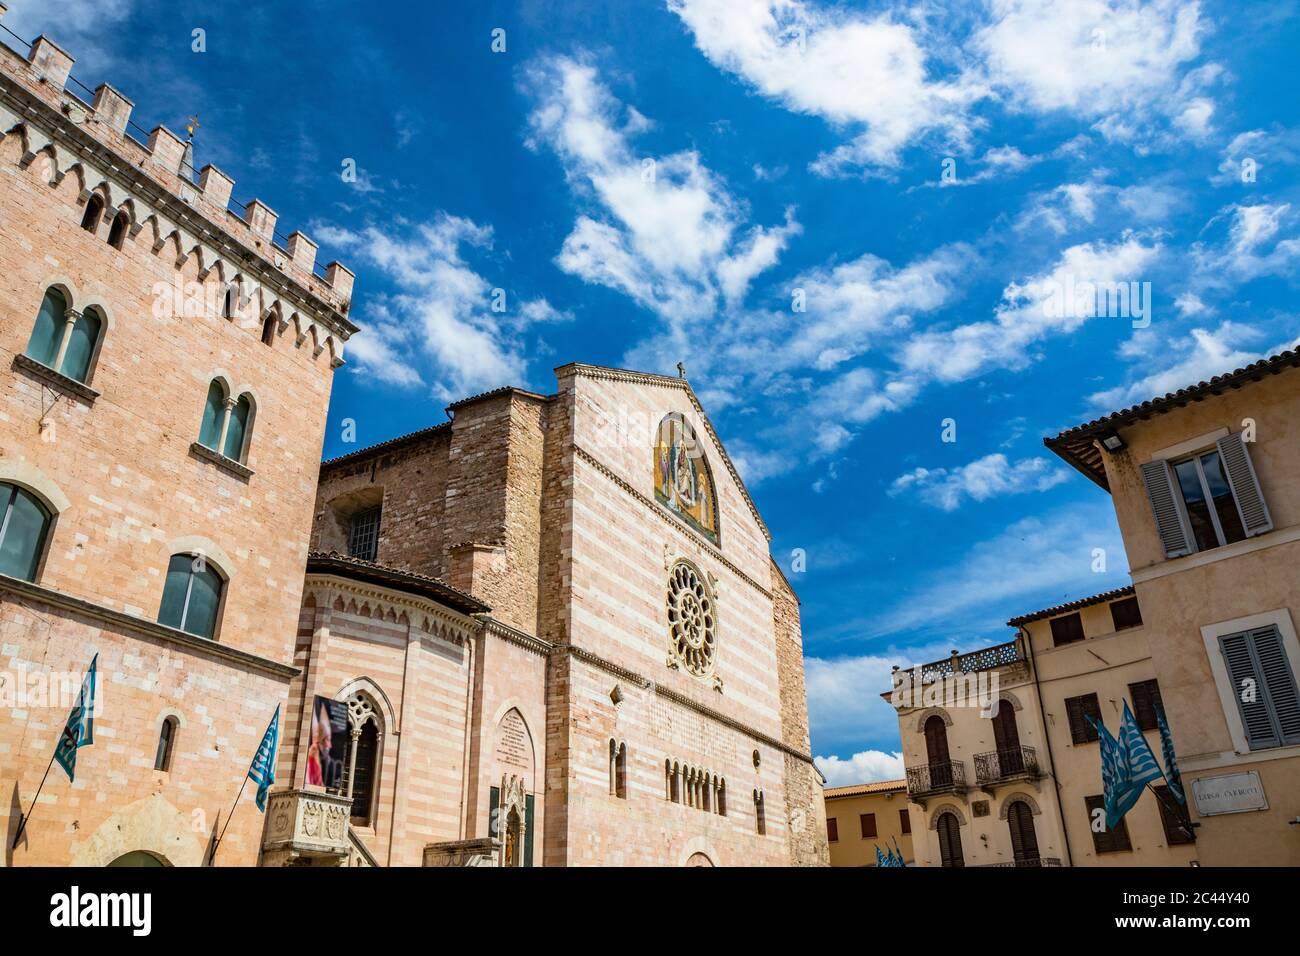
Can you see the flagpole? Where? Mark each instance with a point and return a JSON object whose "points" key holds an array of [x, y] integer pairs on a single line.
{"points": [[212, 857], [1184, 818], [23, 818]]}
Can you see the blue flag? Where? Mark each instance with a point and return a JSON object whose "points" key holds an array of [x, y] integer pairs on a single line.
{"points": [[1172, 776], [1141, 761], [880, 858], [79, 731], [1121, 789], [262, 769]]}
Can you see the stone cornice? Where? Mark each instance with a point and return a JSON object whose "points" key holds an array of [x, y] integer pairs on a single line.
{"points": [[685, 530], [151, 629], [515, 636], [665, 381], [423, 613], [682, 700], [77, 143]]}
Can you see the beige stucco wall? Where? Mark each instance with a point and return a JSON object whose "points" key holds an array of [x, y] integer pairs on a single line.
{"points": [[1183, 596], [852, 848]]}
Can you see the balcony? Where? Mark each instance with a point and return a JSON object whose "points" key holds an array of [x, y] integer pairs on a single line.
{"points": [[927, 780], [1003, 766], [1035, 861], [306, 827]]}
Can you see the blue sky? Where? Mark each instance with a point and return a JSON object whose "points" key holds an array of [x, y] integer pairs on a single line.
{"points": [[849, 221]]}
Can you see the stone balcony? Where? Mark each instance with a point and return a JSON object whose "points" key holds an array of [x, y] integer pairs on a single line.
{"points": [[306, 827]]}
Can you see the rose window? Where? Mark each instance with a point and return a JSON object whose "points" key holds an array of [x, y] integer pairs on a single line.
{"points": [[690, 620]]}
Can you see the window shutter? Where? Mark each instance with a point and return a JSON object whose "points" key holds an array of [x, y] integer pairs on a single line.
{"points": [[1245, 485], [1146, 701], [1164, 506], [1279, 680], [1079, 708], [1242, 669]]}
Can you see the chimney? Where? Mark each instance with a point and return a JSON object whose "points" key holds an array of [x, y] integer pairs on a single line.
{"points": [[216, 186], [168, 149], [340, 278], [112, 108], [51, 63], [302, 251], [261, 218]]}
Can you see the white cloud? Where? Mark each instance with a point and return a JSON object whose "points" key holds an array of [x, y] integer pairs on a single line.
{"points": [[1029, 312], [84, 28], [1252, 156], [866, 766], [987, 477], [442, 309], [1203, 354], [1105, 59], [866, 73], [663, 230], [844, 703]]}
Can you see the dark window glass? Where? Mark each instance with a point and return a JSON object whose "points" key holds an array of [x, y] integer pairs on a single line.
{"points": [[47, 333], [1107, 841], [166, 738], [1067, 630], [214, 409], [1225, 506], [1172, 818], [22, 532], [363, 534], [1078, 709], [94, 210], [235, 431], [1146, 699], [905, 820], [1126, 613], [363, 778], [117, 234], [191, 596], [81, 346]]}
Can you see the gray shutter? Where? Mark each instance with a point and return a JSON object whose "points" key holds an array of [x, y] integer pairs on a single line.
{"points": [[1279, 680], [1164, 506], [1245, 485], [1242, 667]]}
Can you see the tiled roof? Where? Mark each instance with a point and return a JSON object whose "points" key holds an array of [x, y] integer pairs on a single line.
{"points": [[862, 789], [1077, 445], [1126, 591], [408, 439], [319, 562]]}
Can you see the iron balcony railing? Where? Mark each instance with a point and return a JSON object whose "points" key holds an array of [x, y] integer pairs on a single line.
{"points": [[936, 778], [1031, 861], [1007, 764]]}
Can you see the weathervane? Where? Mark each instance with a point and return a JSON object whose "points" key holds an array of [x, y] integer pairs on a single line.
{"points": [[190, 127]]}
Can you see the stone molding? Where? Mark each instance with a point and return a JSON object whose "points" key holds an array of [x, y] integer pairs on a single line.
{"points": [[672, 522], [120, 619], [528, 642], [428, 616], [665, 381], [55, 379]]}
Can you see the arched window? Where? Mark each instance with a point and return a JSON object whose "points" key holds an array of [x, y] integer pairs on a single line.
{"points": [[65, 340], [682, 478], [228, 304], [710, 783], [618, 769], [226, 423], [191, 595], [1024, 841], [166, 744], [677, 784], [949, 829], [94, 212], [268, 330], [23, 527], [1006, 737], [760, 814], [936, 748], [362, 760], [117, 233], [722, 797]]}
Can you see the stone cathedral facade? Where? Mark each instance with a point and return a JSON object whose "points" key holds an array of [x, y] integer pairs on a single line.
{"points": [[548, 630], [561, 640]]}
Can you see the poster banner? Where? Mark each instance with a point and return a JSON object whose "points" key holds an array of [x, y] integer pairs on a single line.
{"points": [[329, 743]]}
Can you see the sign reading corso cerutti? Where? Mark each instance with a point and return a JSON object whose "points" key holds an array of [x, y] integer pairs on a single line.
{"points": [[1230, 793]]}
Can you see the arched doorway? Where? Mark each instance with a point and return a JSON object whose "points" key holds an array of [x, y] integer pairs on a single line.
{"points": [[698, 859], [137, 858], [936, 749], [949, 830], [1006, 737], [1024, 841]]}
